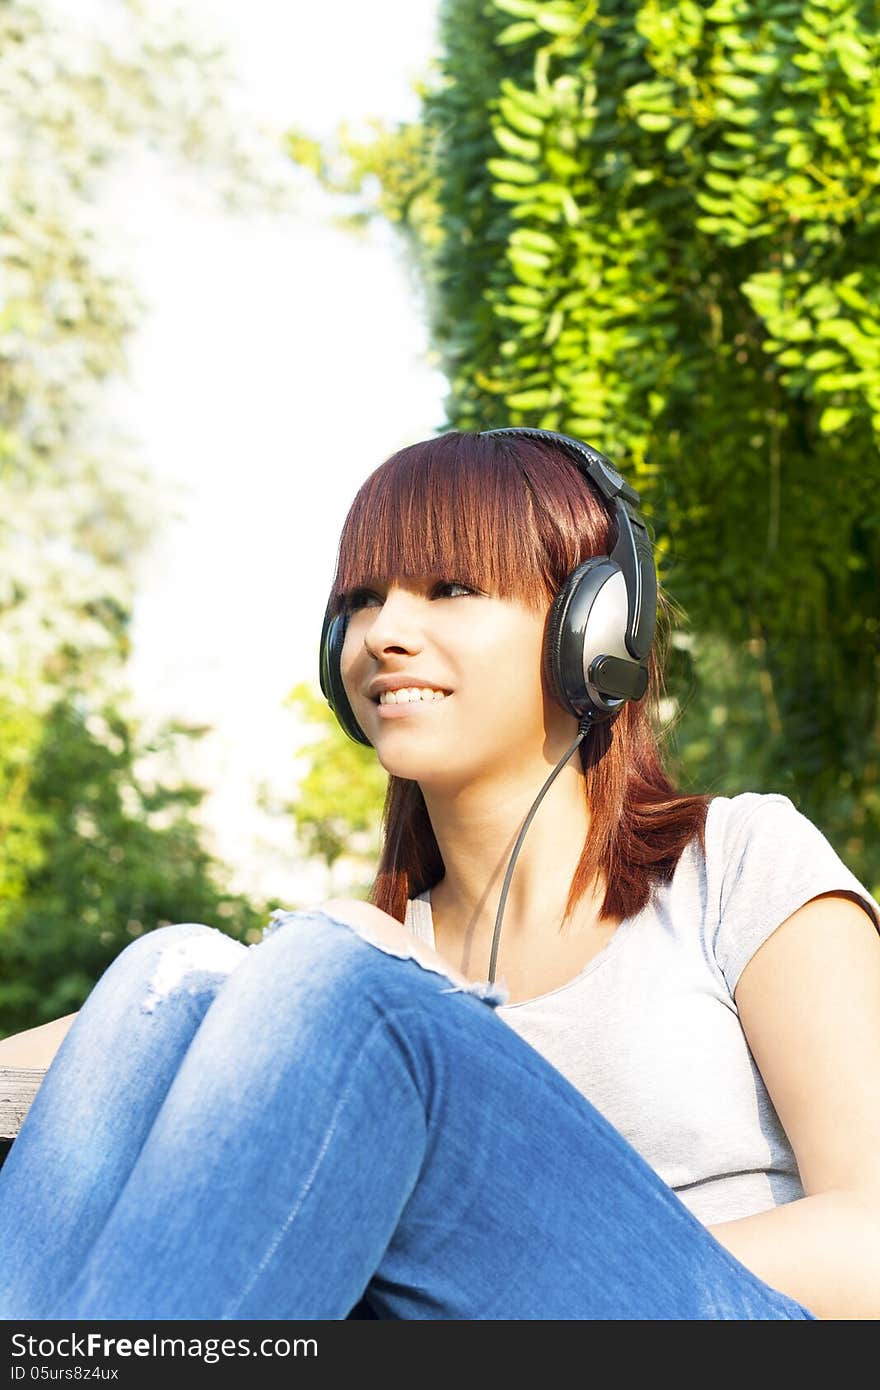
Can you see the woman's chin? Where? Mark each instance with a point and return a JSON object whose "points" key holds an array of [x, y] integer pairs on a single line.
{"points": [[410, 765]]}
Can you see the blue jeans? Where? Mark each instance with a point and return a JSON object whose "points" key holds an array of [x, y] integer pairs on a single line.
{"points": [[311, 1125]]}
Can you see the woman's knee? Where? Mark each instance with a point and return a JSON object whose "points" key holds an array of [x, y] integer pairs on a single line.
{"points": [[183, 957], [325, 953], [353, 943]]}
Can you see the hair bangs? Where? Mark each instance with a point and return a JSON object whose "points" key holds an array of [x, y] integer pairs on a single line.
{"points": [[502, 515]]}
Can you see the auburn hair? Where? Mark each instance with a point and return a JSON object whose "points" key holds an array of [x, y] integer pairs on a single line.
{"points": [[513, 516]]}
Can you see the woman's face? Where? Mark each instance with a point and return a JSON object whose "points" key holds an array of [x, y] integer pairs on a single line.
{"points": [[484, 650]]}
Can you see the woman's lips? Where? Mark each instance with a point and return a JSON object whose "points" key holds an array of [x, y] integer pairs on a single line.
{"points": [[411, 707]]}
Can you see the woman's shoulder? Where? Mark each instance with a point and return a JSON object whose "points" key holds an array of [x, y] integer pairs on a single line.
{"points": [[729, 821], [771, 858], [764, 835], [764, 817], [732, 811], [768, 824]]}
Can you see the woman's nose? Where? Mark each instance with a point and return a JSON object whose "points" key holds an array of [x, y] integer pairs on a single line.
{"points": [[394, 624]]}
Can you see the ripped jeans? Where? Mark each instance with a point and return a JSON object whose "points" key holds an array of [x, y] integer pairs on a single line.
{"points": [[313, 1128]]}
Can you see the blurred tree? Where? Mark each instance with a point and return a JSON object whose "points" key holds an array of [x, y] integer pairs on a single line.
{"points": [[338, 804], [21, 823], [75, 510], [87, 856], [115, 853], [394, 163], [658, 230]]}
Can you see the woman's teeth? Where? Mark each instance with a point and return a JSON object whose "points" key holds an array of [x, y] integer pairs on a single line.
{"points": [[408, 694]]}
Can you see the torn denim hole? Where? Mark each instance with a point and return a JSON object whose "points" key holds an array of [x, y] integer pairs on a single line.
{"points": [[277, 919], [494, 995], [193, 964]]}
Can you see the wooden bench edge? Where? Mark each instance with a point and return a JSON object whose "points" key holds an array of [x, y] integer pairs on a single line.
{"points": [[18, 1086]]}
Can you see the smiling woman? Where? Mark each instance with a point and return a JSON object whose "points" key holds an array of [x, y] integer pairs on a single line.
{"points": [[449, 560], [672, 1084], [616, 854]]}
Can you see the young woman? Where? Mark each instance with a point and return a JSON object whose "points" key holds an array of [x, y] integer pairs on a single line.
{"points": [[665, 1108]]}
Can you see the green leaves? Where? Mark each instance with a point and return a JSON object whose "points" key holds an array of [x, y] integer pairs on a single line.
{"points": [[519, 118], [518, 33], [822, 360], [834, 418], [74, 517], [674, 258], [854, 57], [337, 809], [512, 170], [515, 144], [525, 9], [534, 240], [650, 120], [561, 21], [735, 86], [657, 230], [538, 399], [89, 856], [679, 137]]}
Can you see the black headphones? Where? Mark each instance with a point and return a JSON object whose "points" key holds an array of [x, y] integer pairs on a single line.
{"points": [[601, 624]]}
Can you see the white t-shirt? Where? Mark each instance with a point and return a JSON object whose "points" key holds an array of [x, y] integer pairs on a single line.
{"points": [[649, 1031]]}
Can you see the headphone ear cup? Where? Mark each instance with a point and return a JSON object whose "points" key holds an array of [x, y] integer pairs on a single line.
{"points": [[552, 642], [586, 619], [330, 674]]}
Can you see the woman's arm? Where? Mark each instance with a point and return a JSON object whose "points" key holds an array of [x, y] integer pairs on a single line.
{"points": [[36, 1047], [809, 1004]]}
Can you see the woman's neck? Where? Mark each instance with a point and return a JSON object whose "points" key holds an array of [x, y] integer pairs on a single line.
{"points": [[476, 834]]}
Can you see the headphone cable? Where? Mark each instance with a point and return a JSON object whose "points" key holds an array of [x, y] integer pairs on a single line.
{"points": [[583, 728]]}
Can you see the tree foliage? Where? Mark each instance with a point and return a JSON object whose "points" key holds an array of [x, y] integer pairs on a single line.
{"points": [[89, 852], [102, 851], [658, 230], [75, 507], [337, 808]]}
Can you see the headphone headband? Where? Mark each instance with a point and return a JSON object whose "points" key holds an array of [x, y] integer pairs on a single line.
{"points": [[632, 550], [597, 467]]}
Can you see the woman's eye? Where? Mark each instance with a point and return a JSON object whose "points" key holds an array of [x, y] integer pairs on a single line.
{"points": [[453, 584], [357, 599], [361, 596]]}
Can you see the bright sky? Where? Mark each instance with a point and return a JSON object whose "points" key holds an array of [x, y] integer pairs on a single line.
{"points": [[279, 362]]}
